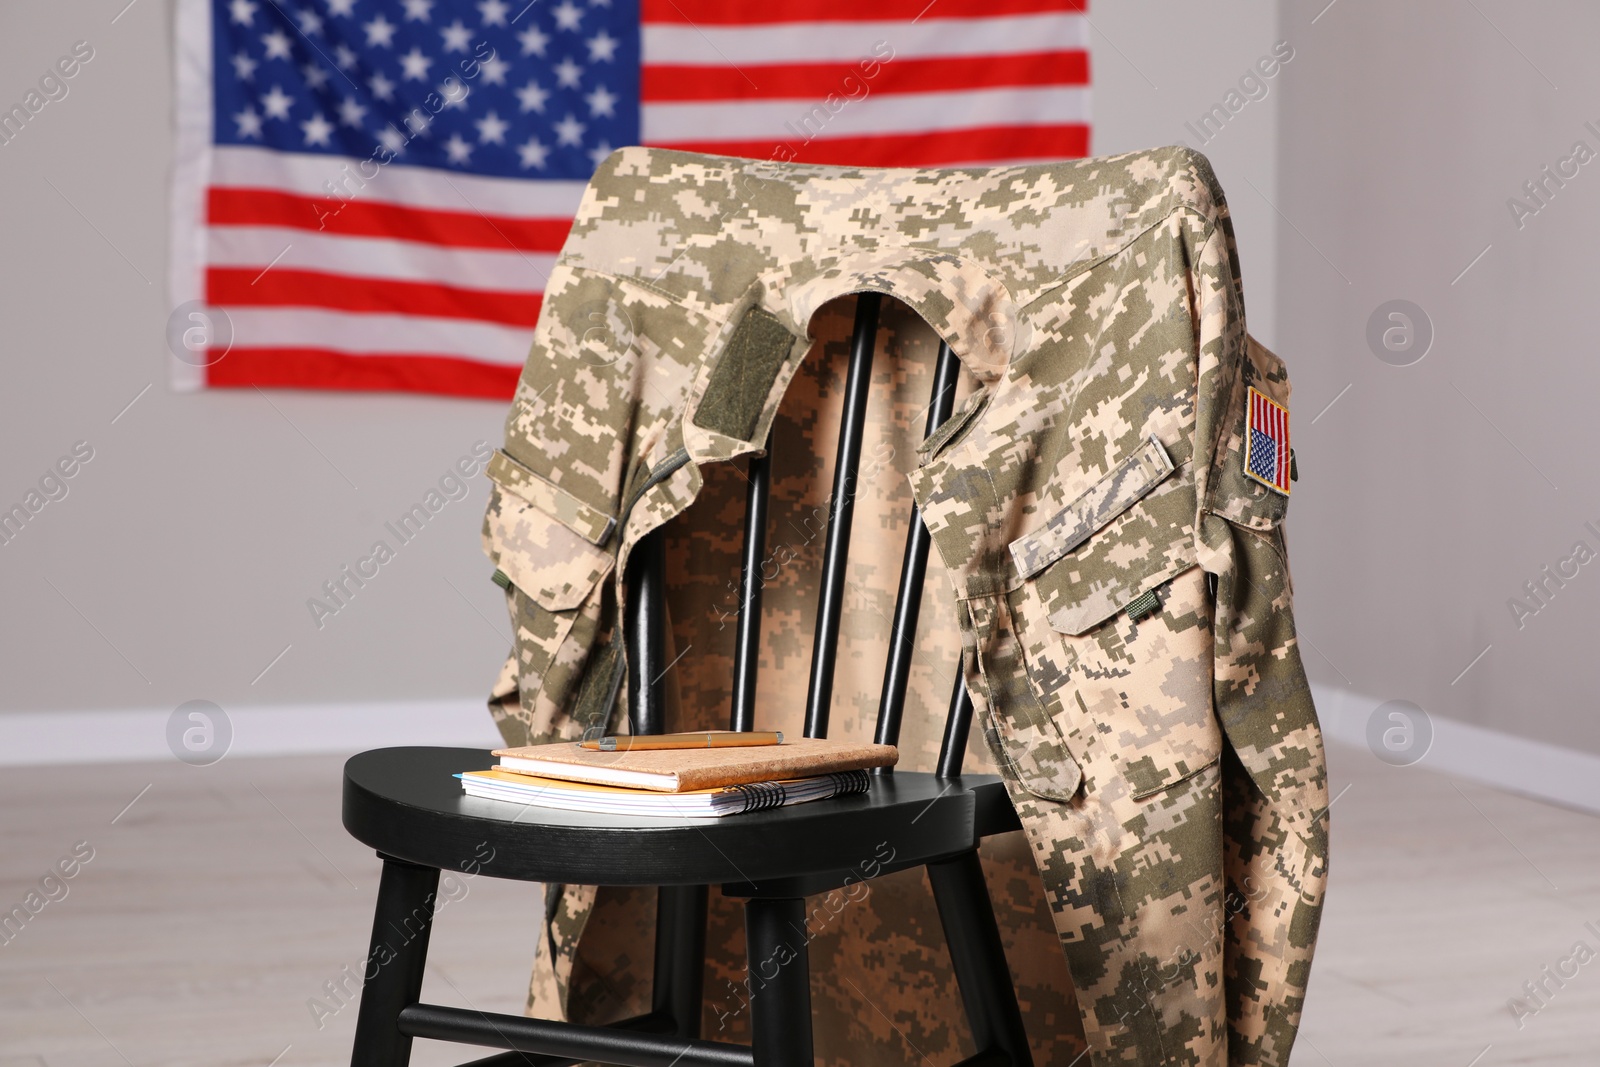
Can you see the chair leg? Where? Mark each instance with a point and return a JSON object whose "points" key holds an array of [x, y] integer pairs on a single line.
{"points": [[393, 978], [680, 966], [780, 981], [967, 914]]}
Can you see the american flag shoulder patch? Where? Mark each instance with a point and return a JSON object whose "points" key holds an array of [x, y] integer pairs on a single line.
{"points": [[1266, 432]]}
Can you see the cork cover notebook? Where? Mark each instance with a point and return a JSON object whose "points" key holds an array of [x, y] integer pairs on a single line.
{"points": [[681, 770]]}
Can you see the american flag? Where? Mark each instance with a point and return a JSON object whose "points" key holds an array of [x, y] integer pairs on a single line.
{"points": [[1267, 454], [369, 194]]}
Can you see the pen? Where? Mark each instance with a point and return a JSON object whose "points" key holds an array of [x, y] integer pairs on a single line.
{"points": [[714, 739]]}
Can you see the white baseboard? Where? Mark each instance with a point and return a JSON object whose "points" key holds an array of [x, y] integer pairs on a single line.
{"points": [[1534, 769], [35, 737], [1520, 765]]}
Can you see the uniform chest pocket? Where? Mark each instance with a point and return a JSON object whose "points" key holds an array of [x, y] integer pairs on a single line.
{"points": [[1118, 621], [545, 545]]}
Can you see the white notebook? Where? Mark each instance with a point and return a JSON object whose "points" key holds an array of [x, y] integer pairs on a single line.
{"points": [[527, 789]]}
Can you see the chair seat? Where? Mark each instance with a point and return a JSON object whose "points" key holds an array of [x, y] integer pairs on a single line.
{"points": [[406, 803]]}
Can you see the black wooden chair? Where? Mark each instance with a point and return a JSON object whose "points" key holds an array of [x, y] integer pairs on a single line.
{"points": [[405, 803]]}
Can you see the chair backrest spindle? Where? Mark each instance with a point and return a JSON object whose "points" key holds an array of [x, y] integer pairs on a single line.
{"points": [[913, 571], [747, 628], [956, 726], [841, 510], [644, 636], [644, 626]]}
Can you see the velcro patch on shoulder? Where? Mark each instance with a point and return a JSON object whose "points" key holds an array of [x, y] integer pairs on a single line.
{"points": [[744, 374], [1266, 442]]}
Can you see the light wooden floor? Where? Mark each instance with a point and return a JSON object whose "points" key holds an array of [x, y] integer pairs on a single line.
{"points": [[224, 898]]}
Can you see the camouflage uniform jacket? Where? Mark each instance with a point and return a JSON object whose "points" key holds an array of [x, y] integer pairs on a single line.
{"points": [[1116, 587]]}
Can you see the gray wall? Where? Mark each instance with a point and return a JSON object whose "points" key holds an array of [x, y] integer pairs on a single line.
{"points": [[184, 553], [179, 564], [1158, 67], [1431, 493]]}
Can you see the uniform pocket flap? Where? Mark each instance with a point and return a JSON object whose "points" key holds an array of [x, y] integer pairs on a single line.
{"points": [[1128, 483], [542, 556], [593, 524], [1132, 531], [1113, 595]]}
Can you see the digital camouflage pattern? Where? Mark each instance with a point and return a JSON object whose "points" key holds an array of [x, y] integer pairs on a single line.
{"points": [[1166, 761]]}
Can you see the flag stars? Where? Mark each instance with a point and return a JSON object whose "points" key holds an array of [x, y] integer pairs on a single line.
{"points": [[455, 92], [277, 44], [456, 36], [567, 115], [249, 123], [414, 65], [494, 70], [380, 33], [568, 16], [603, 47], [492, 129], [534, 40], [602, 102], [277, 103], [392, 139], [568, 73], [317, 130], [535, 154], [533, 97], [458, 150], [351, 112], [570, 131]]}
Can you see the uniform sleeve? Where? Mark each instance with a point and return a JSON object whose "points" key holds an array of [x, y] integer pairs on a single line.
{"points": [[1276, 795], [1262, 697], [1261, 694]]}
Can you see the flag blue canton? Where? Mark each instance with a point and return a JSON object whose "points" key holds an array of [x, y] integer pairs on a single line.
{"points": [[508, 89], [1263, 460]]}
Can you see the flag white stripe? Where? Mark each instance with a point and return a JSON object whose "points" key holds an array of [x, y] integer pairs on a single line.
{"points": [[379, 335], [254, 247], [791, 120], [1277, 428], [1283, 448], [193, 154], [827, 42], [304, 174]]}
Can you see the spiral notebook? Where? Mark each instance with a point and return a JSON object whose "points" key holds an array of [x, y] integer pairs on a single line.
{"points": [[692, 804]]}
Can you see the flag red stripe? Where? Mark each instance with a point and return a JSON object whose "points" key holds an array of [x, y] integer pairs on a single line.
{"points": [[357, 218], [314, 368], [1272, 431], [743, 13], [932, 149], [814, 82], [1283, 450], [1277, 436], [1277, 441], [279, 287]]}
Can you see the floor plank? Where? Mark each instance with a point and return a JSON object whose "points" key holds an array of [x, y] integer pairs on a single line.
{"points": [[226, 899]]}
